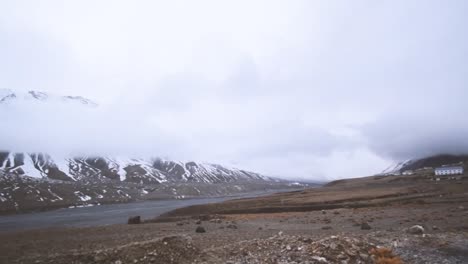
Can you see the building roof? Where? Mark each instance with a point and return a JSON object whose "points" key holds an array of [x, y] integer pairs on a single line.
{"points": [[450, 168]]}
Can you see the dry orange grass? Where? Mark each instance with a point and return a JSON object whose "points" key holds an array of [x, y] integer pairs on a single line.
{"points": [[385, 256]]}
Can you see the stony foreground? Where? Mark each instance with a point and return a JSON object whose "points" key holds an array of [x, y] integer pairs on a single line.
{"points": [[367, 235], [385, 220]]}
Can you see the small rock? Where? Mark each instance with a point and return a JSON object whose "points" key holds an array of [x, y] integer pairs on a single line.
{"points": [[180, 223], [416, 230], [324, 212], [319, 259], [326, 227], [231, 226], [200, 229], [365, 226], [435, 228], [134, 220], [198, 222], [99, 258], [204, 217]]}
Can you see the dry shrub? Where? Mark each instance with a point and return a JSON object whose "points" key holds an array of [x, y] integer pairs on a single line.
{"points": [[385, 256]]}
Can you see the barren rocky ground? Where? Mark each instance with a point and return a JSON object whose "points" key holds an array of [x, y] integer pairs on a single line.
{"points": [[365, 221]]}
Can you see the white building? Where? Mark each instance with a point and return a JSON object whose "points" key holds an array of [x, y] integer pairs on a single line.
{"points": [[449, 170], [408, 172]]}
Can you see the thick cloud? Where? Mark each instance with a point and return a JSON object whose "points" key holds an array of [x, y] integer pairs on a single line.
{"points": [[306, 89], [437, 128]]}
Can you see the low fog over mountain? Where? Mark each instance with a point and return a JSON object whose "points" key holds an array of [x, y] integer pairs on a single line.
{"points": [[310, 90]]}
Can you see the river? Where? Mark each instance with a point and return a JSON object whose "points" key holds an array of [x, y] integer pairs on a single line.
{"points": [[103, 214]]}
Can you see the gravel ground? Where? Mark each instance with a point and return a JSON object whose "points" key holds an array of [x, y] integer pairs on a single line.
{"points": [[330, 236]]}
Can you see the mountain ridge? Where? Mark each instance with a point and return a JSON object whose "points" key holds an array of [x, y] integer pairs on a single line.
{"points": [[40, 180], [150, 170], [432, 161], [37, 181], [9, 96]]}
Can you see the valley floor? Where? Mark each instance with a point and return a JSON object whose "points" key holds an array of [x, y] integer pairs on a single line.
{"points": [[353, 222]]}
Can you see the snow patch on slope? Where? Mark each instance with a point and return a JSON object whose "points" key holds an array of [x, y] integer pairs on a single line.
{"points": [[29, 169], [83, 197], [395, 168]]}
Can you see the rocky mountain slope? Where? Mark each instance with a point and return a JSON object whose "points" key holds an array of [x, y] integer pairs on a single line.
{"points": [[427, 162], [436, 161], [30, 181], [104, 169]]}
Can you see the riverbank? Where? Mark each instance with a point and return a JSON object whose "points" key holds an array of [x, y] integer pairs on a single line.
{"points": [[107, 214], [399, 219]]}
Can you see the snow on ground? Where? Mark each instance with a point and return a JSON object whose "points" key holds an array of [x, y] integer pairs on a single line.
{"points": [[10, 161], [395, 167], [123, 194], [82, 205], [62, 164], [29, 169], [119, 163], [2, 199], [55, 195], [83, 197]]}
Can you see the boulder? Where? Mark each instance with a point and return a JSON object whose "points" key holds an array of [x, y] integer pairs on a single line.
{"points": [[204, 217], [416, 230], [134, 220], [365, 226], [200, 229]]}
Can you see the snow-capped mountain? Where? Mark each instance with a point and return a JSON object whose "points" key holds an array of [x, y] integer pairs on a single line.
{"points": [[8, 96], [40, 180], [37, 181], [118, 169]]}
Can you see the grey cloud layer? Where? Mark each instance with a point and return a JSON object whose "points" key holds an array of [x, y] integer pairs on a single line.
{"points": [[285, 89]]}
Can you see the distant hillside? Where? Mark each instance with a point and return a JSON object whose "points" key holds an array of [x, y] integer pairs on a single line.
{"points": [[38, 181], [42, 180], [435, 161], [427, 162]]}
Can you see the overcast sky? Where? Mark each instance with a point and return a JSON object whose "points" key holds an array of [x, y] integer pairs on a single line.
{"points": [[297, 89]]}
